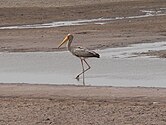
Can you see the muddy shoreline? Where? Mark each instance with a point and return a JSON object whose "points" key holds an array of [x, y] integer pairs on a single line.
{"points": [[48, 104], [115, 34]]}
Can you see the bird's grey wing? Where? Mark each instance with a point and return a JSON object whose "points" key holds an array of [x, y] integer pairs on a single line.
{"points": [[84, 52]]}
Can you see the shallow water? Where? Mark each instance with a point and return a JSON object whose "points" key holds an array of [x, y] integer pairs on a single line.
{"points": [[134, 49], [98, 21], [112, 69]]}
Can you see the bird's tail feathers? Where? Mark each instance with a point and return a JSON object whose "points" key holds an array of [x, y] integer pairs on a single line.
{"points": [[97, 55]]}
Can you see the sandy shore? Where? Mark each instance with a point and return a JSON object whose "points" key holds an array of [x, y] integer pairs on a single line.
{"points": [[65, 105]]}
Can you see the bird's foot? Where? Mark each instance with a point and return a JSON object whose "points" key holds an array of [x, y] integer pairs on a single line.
{"points": [[78, 78]]}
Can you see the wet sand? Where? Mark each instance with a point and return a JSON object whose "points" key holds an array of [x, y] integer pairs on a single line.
{"points": [[65, 105]]}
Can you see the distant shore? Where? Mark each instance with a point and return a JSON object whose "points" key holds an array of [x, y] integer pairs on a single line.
{"points": [[115, 34]]}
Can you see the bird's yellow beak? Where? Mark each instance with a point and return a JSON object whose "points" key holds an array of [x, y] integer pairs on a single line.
{"points": [[64, 41]]}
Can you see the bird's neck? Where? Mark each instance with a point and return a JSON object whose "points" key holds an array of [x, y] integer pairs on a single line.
{"points": [[69, 44]]}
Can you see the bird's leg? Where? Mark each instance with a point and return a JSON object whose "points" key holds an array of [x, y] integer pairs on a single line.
{"points": [[77, 77], [84, 70], [87, 65], [81, 72]]}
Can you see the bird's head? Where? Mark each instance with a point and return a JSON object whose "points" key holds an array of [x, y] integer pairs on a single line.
{"points": [[68, 37]]}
